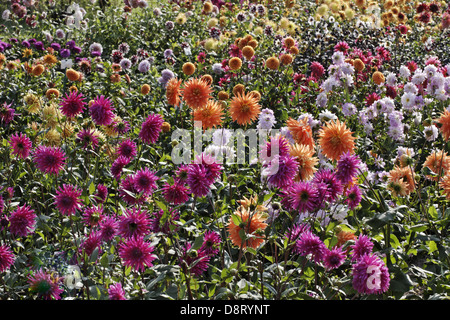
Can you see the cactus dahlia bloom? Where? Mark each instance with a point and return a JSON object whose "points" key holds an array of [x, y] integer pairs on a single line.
{"points": [[370, 275], [252, 225]]}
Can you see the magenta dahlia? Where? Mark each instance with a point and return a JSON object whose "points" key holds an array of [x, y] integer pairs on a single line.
{"points": [[45, 285], [347, 167], [334, 258], [310, 244], [102, 111], [136, 253], [363, 245], [87, 139], [193, 261], [49, 159], [165, 223], [127, 149], [118, 165], [370, 275], [21, 145], [22, 221], [116, 292], [145, 181], [7, 258], [109, 227], [134, 223], [175, 193], [67, 199], [72, 104], [151, 128]]}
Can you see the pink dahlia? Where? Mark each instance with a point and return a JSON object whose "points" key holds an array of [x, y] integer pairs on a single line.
{"points": [[193, 261], [151, 128], [102, 111], [363, 245], [49, 159], [310, 244], [67, 199], [354, 196], [347, 167], [211, 243], [45, 285], [92, 216], [197, 179], [129, 193], [92, 242], [118, 165], [102, 193], [370, 275], [301, 196], [134, 223], [7, 258], [317, 70], [136, 253], [72, 104], [21, 145], [282, 171], [22, 221]]}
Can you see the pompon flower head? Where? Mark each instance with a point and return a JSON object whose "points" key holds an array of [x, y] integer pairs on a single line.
{"points": [[196, 93], [363, 245], [175, 193], [210, 115], [347, 167], [22, 221], [116, 292], [45, 285], [145, 181], [335, 139], [370, 275], [102, 111], [165, 223], [193, 261], [173, 92], [67, 199], [21, 145], [72, 104], [307, 163], [244, 108], [281, 171], [7, 258], [310, 244], [136, 253], [109, 227], [49, 159], [301, 132], [334, 258], [151, 128], [134, 222], [251, 225]]}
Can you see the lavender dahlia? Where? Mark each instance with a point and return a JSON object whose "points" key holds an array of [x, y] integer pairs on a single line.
{"points": [[136, 253], [22, 221], [370, 275], [67, 199], [101, 111], [49, 159], [151, 128]]}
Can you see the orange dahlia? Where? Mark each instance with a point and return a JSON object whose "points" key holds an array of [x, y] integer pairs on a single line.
{"points": [[399, 188], [173, 92], [188, 68], [306, 161], [336, 139], [210, 115], [445, 185], [438, 162], [444, 121], [252, 225], [244, 108], [404, 177], [145, 89], [344, 236], [235, 63], [301, 132], [196, 93]]}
